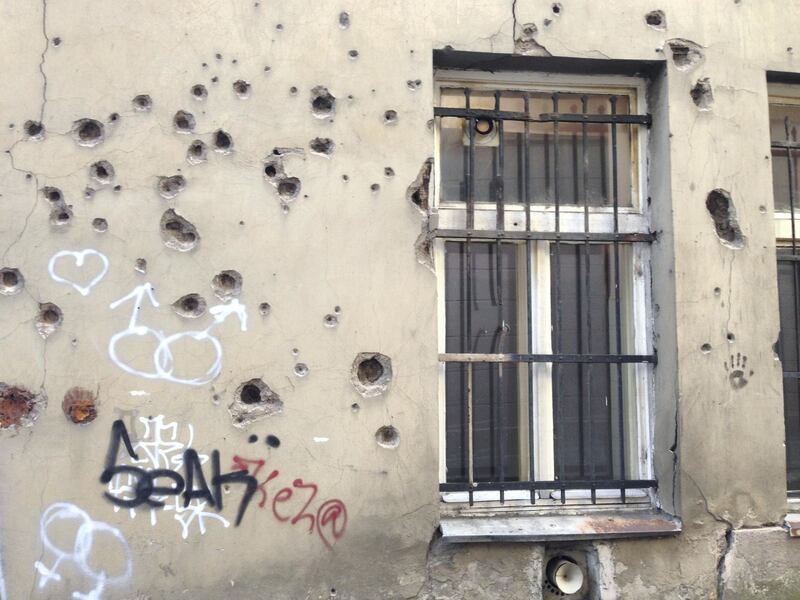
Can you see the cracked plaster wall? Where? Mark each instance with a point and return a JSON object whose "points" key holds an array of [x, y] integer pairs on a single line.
{"points": [[344, 243]]}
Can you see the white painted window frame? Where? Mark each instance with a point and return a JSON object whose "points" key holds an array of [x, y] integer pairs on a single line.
{"points": [[633, 219]]}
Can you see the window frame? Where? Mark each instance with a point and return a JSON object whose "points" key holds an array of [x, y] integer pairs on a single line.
{"points": [[631, 219]]}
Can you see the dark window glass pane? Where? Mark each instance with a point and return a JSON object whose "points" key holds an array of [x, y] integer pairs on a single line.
{"points": [[788, 285], [483, 321]]}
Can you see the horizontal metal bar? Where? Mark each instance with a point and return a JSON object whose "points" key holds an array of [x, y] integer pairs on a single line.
{"points": [[547, 358], [580, 118], [785, 145], [788, 258], [507, 115], [605, 484], [791, 374], [493, 234]]}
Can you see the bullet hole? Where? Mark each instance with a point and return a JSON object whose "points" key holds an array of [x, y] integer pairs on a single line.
{"points": [[140, 266], [330, 321], [288, 188], [53, 194], [199, 92], [19, 407], [685, 54], [323, 103], [34, 130], [344, 20], [279, 27], [418, 191], [11, 281], [102, 172], [388, 437], [273, 170], [218, 56], [88, 193], [390, 117], [113, 117], [183, 122], [414, 84], [117, 188], [720, 207], [301, 369], [547, 23], [87, 132], [264, 309], [656, 19], [705, 348], [717, 291], [557, 8], [100, 225], [371, 374], [273, 441], [730, 337], [352, 54], [169, 187], [253, 400], [388, 172], [762, 209], [197, 152], [702, 94], [252, 438], [293, 90], [61, 216], [375, 188], [526, 42], [241, 88], [56, 41], [345, 178], [355, 407], [79, 406], [337, 309], [267, 69], [48, 319], [178, 233], [234, 61], [190, 306], [322, 146], [223, 142], [214, 80], [142, 102], [227, 284]]}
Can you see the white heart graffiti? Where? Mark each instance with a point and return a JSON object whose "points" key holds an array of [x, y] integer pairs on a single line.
{"points": [[80, 257]]}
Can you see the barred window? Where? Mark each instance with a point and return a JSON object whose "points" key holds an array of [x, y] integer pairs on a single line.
{"points": [[543, 246]]}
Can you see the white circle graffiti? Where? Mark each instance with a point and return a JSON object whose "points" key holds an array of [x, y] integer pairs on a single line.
{"points": [[163, 362]]}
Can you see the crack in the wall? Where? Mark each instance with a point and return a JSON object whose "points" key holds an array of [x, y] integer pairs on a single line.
{"points": [[722, 562], [43, 59], [514, 18]]}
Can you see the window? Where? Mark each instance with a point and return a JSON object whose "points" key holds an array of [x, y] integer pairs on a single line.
{"points": [[542, 246], [784, 118]]}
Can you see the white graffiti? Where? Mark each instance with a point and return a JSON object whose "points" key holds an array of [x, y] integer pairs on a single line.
{"points": [[161, 447], [163, 362], [80, 551], [80, 257]]}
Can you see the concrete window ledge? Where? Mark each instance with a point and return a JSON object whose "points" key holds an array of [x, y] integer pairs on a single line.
{"points": [[542, 528]]}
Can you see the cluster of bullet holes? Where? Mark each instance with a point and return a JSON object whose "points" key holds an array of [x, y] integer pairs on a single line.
{"points": [[190, 306], [344, 20], [264, 309], [88, 132], [331, 320], [142, 102], [227, 285], [171, 186], [241, 88], [685, 54], [390, 117], [199, 92], [48, 319], [197, 152], [140, 266], [11, 281], [102, 172], [34, 130], [60, 212], [223, 142], [322, 146], [288, 188], [371, 374], [79, 406], [272, 441], [183, 122], [178, 233], [418, 192], [323, 103], [253, 400], [702, 94], [100, 225], [388, 437], [656, 19], [720, 207], [19, 407]]}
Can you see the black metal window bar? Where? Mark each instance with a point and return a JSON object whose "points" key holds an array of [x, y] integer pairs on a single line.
{"points": [[471, 241], [785, 151]]}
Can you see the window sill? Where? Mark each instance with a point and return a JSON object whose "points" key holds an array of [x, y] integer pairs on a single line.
{"points": [[551, 526]]}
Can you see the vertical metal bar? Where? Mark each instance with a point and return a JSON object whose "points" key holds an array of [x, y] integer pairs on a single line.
{"points": [[791, 184], [528, 291], [470, 174], [500, 205], [470, 469], [586, 314], [464, 346], [557, 304], [617, 306], [525, 169], [499, 183], [795, 277]]}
